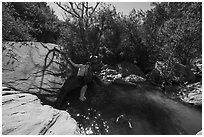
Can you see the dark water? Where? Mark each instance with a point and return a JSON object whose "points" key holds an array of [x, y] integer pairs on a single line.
{"points": [[136, 111]]}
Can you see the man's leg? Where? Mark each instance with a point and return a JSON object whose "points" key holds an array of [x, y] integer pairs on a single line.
{"points": [[82, 93]]}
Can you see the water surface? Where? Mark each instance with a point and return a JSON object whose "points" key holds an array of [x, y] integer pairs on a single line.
{"points": [[136, 111]]}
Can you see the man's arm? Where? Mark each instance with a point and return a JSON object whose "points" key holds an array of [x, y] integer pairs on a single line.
{"points": [[75, 65]]}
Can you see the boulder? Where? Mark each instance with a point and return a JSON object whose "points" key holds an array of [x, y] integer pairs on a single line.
{"points": [[197, 66], [134, 79], [23, 114], [180, 73], [22, 65], [109, 75], [192, 94], [126, 69], [183, 73], [155, 76]]}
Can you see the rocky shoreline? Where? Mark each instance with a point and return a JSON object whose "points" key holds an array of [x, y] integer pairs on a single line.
{"points": [[23, 114]]}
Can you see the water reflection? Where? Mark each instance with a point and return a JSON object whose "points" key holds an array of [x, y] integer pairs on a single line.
{"points": [[136, 112], [91, 122]]}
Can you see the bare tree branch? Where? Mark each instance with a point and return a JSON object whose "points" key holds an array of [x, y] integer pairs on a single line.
{"points": [[77, 6], [95, 8], [82, 13], [59, 4], [72, 7], [87, 8]]}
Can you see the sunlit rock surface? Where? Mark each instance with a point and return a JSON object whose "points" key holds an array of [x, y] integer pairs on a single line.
{"points": [[192, 94], [134, 79], [122, 75], [23, 114], [109, 75], [22, 65]]}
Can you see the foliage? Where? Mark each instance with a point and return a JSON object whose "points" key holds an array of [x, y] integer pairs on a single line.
{"points": [[182, 35], [79, 21], [25, 21], [13, 29], [170, 32], [173, 31]]}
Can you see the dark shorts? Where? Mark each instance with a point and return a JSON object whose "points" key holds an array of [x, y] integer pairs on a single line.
{"points": [[81, 80]]}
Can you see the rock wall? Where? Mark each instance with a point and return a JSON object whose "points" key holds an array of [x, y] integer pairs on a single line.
{"points": [[23, 114], [22, 65]]}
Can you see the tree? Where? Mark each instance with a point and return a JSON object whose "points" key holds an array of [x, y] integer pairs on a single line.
{"points": [[173, 31], [29, 21], [13, 29], [80, 20], [137, 52], [182, 34]]}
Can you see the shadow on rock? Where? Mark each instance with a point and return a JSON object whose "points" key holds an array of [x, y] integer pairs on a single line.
{"points": [[96, 95]]}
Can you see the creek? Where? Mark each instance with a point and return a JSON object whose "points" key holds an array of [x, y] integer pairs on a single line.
{"points": [[136, 111]]}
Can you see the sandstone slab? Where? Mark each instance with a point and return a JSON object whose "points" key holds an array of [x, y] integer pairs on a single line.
{"points": [[22, 65], [23, 114]]}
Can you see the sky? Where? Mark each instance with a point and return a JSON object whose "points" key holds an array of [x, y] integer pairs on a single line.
{"points": [[124, 7]]}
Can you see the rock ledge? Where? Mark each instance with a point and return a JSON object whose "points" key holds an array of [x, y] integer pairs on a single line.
{"points": [[23, 114]]}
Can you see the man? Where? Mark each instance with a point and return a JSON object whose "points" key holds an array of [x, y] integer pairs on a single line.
{"points": [[82, 73]]}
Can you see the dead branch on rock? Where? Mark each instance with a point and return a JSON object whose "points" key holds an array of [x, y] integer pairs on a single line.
{"points": [[54, 51]]}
